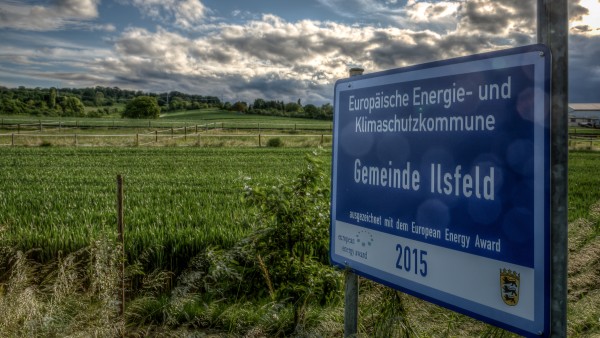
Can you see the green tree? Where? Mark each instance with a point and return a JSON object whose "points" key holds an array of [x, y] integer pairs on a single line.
{"points": [[312, 111], [177, 103], [327, 111], [99, 99], [142, 107], [239, 107], [259, 104], [71, 106], [292, 107], [10, 106], [52, 98]]}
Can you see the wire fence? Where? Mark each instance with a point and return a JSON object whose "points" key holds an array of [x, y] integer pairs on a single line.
{"points": [[22, 125], [153, 133], [156, 133], [173, 137]]}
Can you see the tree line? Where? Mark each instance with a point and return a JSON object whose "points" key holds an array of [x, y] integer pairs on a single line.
{"points": [[280, 108], [130, 103]]}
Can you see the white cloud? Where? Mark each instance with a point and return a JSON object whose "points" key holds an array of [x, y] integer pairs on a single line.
{"points": [[59, 14], [265, 54], [585, 16], [273, 58], [183, 14]]}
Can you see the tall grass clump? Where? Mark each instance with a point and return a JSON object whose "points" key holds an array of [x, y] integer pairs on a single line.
{"points": [[75, 295], [583, 275], [274, 142]]}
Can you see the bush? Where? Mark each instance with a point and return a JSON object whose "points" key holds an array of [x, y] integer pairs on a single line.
{"points": [[142, 107], [274, 142]]}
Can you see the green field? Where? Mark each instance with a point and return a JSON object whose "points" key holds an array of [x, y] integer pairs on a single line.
{"points": [[211, 116], [584, 183], [206, 127], [184, 207], [178, 200]]}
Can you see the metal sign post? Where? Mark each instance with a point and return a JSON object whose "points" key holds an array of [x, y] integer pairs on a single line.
{"points": [[351, 279], [553, 32]]}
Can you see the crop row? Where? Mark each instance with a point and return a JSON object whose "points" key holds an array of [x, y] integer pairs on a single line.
{"points": [[178, 201]]}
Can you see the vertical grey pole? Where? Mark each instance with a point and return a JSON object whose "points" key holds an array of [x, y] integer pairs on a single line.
{"points": [[350, 304], [351, 280], [553, 32]]}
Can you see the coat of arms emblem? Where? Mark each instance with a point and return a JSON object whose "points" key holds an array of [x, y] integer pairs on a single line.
{"points": [[509, 286]]}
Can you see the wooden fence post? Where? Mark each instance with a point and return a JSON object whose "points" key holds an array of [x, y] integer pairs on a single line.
{"points": [[121, 229], [12, 142], [259, 145], [156, 136]]}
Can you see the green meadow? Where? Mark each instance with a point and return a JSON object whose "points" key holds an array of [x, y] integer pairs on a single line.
{"points": [[200, 242]]}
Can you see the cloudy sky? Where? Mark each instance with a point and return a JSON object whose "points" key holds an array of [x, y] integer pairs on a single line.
{"points": [[272, 49]]}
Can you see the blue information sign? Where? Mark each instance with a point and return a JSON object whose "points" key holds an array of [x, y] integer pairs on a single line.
{"points": [[440, 183]]}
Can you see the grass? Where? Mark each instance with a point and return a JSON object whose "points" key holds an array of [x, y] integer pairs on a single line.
{"points": [[57, 205], [215, 116], [178, 200], [206, 127], [584, 183]]}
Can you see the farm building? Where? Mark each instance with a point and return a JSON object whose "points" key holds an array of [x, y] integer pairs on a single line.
{"points": [[584, 114]]}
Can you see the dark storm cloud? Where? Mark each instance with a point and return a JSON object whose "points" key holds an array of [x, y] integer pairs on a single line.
{"points": [[584, 69], [53, 15], [272, 58], [495, 17], [576, 11], [397, 53], [272, 87]]}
